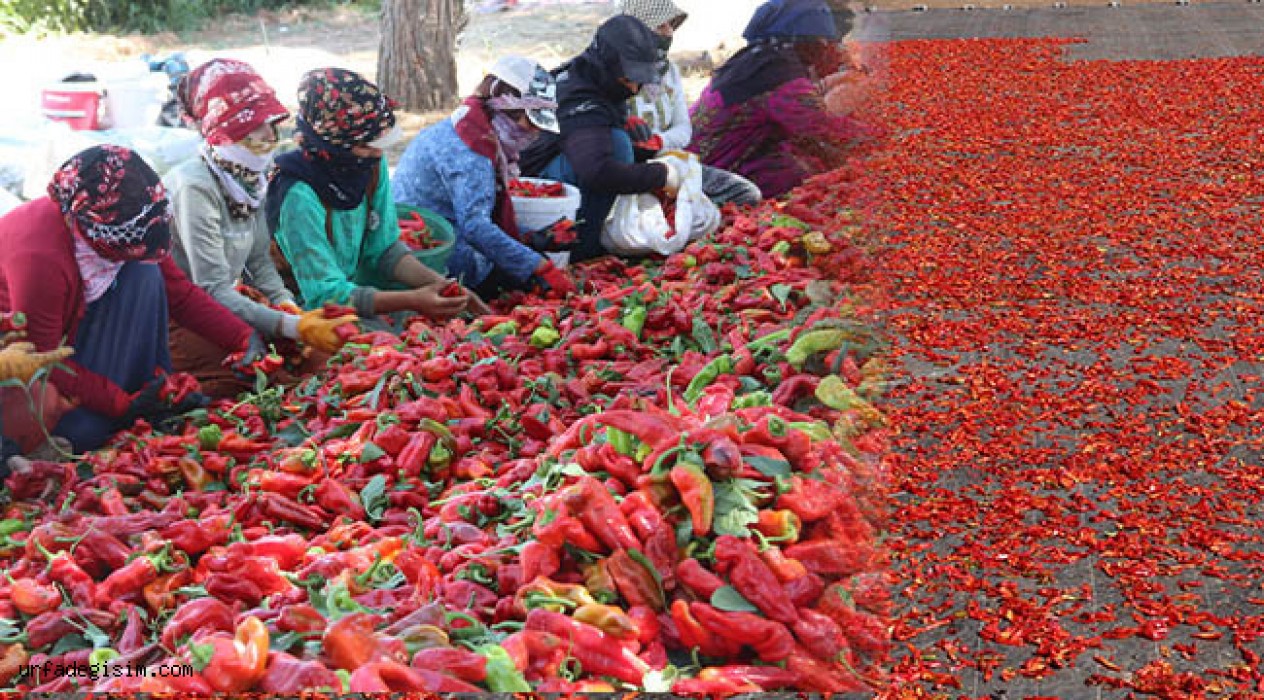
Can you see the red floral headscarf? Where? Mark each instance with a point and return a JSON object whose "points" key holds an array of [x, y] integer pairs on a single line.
{"points": [[342, 108], [115, 202], [229, 100]]}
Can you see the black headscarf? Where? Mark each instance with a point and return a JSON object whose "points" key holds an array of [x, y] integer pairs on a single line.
{"points": [[338, 110]]}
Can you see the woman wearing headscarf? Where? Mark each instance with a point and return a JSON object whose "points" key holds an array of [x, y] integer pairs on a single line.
{"points": [[90, 264], [593, 150], [330, 209], [221, 235], [460, 169], [660, 113], [762, 116]]}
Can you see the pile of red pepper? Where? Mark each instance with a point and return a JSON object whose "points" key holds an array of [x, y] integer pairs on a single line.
{"points": [[670, 482], [531, 189], [415, 233]]}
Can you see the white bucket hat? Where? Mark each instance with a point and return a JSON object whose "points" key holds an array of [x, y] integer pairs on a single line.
{"points": [[536, 86]]}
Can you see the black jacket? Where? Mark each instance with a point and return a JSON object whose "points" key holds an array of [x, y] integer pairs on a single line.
{"points": [[591, 102]]}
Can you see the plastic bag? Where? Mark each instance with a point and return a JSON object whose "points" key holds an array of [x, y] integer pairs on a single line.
{"points": [[637, 224]]}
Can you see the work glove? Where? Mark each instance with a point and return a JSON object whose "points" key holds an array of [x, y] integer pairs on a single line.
{"points": [[638, 129], [20, 361], [557, 237], [672, 185], [645, 143], [316, 331], [254, 351], [149, 403], [549, 279]]}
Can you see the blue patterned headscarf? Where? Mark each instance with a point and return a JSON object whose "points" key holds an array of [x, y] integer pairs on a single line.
{"points": [[791, 20]]}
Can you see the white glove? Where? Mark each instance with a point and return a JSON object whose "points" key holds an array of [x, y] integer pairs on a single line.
{"points": [[673, 176]]}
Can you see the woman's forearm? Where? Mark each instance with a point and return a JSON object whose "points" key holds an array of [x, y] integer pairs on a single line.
{"points": [[387, 302], [410, 272]]}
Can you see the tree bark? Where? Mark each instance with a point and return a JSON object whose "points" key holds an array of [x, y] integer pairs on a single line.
{"points": [[416, 62]]}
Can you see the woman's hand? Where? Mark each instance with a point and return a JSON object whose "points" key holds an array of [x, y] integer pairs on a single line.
{"points": [[477, 306], [430, 301]]}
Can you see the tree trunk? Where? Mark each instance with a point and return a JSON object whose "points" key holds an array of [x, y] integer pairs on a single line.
{"points": [[416, 63]]}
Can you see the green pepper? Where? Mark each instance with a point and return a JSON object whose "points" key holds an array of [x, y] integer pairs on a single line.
{"points": [[10, 526], [708, 374], [815, 341], [440, 456], [767, 340], [835, 393], [838, 395], [634, 319], [506, 328], [751, 400], [209, 436], [102, 656], [545, 337], [816, 430], [622, 442], [502, 675]]}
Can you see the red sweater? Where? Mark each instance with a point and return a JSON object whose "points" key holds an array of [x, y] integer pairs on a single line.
{"points": [[39, 277]]}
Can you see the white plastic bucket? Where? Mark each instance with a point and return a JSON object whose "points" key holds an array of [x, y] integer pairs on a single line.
{"points": [[534, 213], [133, 104]]}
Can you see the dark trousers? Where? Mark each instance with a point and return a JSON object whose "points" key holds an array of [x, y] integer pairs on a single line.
{"points": [[594, 207], [123, 337]]}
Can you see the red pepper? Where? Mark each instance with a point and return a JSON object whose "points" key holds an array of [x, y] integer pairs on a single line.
{"points": [[32, 598], [832, 557], [697, 579], [693, 635], [817, 676], [133, 577], [770, 639], [351, 642], [753, 579], [289, 675], [805, 590], [598, 653], [240, 661], [766, 677], [200, 614], [81, 587], [413, 459], [600, 514], [49, 627], [819, 634], [462, 663], [696, 493], [811, 499], [714, 687], [301, 618], [283, 483], [635, 582], [233, 588], [334, 496], [197, 536], [453, 289], [282, 509], [539, 559], [867, 634]]}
